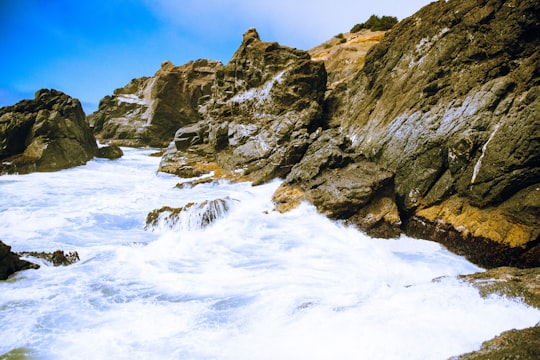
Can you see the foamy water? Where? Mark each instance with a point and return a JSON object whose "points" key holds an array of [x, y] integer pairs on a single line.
{"points": [[255, 284]]}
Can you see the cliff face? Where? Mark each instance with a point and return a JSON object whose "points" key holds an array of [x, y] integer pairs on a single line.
{"points": [[45, 134], [266, 102], [435, 132], [148, 110], [449, 101]]}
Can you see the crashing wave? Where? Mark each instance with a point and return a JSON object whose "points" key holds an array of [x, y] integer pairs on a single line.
{"points": [[192, 216]]}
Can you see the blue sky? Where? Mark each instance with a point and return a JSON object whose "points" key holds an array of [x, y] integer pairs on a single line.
{"points": [[89, 48]]}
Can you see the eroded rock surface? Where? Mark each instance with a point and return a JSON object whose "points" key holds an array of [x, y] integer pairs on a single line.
{"points": [[449, 101], [47, 133], [149, 110], [265, 104]]}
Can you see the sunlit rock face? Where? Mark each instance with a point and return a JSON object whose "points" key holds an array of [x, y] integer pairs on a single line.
{"points": [[265, 104], [449, 101], [48, 133], [148, 110]]}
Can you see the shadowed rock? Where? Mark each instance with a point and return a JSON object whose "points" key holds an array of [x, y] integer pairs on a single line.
{"points": [[11, 262]]}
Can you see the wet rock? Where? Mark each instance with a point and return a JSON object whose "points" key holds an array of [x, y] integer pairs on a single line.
{"points": [[507, 281], [47, 133], [57, 258], [342, 186], [189, 217], [513, 344], [148, 110], [110, 152], [11, 262]]}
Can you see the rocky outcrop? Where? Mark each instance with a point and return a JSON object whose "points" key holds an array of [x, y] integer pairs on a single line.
{"points": [[56, 258], [11, 262], [342, 185], [191, 216], [513, 344], [449, 102], [110, 152], [48, 133], [523, 284], [265, 104], [149, 110], [344, 54]]}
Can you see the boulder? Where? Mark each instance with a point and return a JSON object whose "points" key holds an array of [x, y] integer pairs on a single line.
{"points": [[449, 102], [57, 258], [342, 186], [265, 104], [11, 262], [109, 152], [48, 133], [191, 216], [148, 110]]}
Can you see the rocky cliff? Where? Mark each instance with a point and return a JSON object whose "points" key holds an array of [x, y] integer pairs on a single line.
{"points": [[149, 110], [449, 102], [434, 132], [47, 133], [265, 107]]}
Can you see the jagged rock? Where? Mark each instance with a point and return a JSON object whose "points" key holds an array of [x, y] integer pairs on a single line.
{"points": [[449, 100], [11, 263], [265, 103], [149, 110], [110, 152], [189, 217], [57, 258], [48, 133], [342, 186]]}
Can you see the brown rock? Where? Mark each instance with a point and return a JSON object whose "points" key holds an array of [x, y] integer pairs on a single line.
{"points": [[48, 133], [149, 110]]}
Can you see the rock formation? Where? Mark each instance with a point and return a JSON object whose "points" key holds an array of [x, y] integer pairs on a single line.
{"points": [[449, 102], [191, 216], [266, 102], [11, 263], [48, 133], [149, 110], [110, 152], [513, 344], [436, 135], [344, 54]]}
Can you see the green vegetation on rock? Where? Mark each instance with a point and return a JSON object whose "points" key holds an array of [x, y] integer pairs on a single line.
{"points": [[375, 23]]}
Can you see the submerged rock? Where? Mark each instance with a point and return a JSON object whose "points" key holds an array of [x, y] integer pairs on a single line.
{"points": [[192, 216], [48, 133], [10, 262], [57, 258], [110, 152]]}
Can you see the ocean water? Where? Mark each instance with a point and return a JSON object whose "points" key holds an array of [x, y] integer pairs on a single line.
{"points": [[254, 284]]}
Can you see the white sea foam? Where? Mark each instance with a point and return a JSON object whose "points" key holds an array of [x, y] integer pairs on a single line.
{"points": [[255, 284]]}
